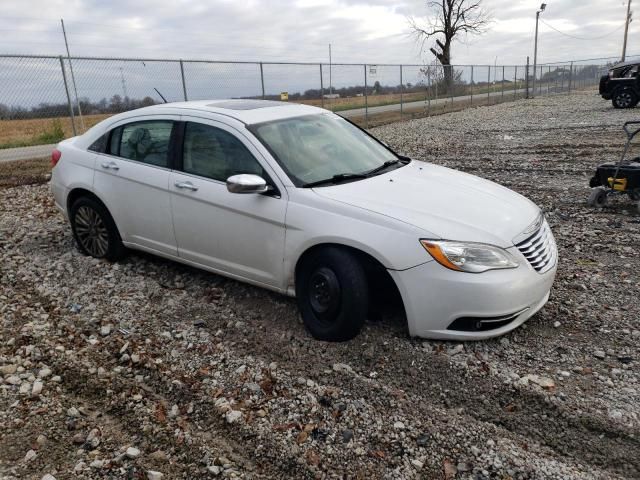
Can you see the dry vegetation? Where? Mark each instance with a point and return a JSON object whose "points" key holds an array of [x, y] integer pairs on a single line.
{"points": [[22, 133], [24, 172], [38, 131]]}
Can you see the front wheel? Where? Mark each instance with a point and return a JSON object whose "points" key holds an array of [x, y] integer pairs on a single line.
{"points": [[332, 294], [624, 99], [597, 197]]}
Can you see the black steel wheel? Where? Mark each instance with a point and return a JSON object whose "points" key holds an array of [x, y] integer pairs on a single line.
{"points": [[624, 99], [94, 230], [598, 197], [332, 294]]}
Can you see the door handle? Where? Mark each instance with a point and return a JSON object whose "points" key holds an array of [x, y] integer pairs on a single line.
{"points": [[110, 166], [186, 186]]}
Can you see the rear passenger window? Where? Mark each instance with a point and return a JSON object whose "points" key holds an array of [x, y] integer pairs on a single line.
{"points": [[146, 142], [213, 153]]}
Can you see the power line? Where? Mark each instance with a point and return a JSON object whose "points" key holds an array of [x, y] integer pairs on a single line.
{"points": [[581, 38]]}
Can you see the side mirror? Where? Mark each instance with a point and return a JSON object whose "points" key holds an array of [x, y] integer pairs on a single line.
{"points": [[247, 183]]}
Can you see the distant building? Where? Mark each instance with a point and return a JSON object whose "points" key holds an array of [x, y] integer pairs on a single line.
{"points": [[331, 95]]}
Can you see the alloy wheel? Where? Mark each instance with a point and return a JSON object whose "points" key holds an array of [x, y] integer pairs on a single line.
{"points": [[624, 99], [91, 231]]}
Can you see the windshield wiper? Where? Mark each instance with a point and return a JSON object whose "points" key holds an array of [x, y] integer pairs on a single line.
{"points": [[336, 179], [382, 167]]}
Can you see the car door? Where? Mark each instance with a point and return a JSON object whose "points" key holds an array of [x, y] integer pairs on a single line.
{"points": [[241, 235], [132, 178]]}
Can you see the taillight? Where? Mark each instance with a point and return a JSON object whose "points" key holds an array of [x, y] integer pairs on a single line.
{"points": [[55, 157]]}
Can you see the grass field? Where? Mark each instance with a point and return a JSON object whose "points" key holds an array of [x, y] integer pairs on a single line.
{"points": [[22, 133], [348, 103], [40, 131]]}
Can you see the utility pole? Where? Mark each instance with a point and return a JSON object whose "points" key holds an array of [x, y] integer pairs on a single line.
{"points": [[626, 30], [535, 48], [73, 78]]}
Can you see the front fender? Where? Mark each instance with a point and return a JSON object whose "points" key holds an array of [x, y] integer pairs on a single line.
{"points": [[393, 243]]}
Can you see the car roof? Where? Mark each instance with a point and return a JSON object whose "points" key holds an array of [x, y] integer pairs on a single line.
{"points": [[623, 65], [247, 111]]}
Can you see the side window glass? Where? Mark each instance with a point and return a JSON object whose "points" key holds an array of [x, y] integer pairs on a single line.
{"points": [[146, 142], [213, 153], [100, 145]]}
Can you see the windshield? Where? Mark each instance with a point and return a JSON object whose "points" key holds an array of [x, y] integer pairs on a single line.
{"points": [[317, 147]]}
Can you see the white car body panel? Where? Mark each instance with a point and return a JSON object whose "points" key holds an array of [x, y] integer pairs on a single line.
{"points": [[259, 238], [77, 171], [236, 234], [137, 195]]}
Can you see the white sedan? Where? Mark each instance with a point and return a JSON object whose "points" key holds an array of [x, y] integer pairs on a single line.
{"points": [[299, 200]]}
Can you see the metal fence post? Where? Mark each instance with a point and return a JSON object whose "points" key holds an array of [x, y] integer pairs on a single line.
{"points": [[262, 80], [548, 76], [570, 76], [453, 82], [321, 88], [502, 94], [184, 85], [366, 99], [471, 84], [436, 97], [540, 82], [488, 84], [401, 91], [66, 89], [428, 91], [526, 80], [515, 82]]}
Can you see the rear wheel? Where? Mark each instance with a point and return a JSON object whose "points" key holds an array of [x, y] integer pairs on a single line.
{"points": [[597, 197], [332, 294], [94, 230], [624, 99]]}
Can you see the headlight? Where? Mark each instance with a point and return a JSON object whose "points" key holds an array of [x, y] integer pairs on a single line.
{"points": [[469, 257]]}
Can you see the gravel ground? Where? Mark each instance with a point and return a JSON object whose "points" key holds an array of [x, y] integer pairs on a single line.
{"points": [[149, 369]]}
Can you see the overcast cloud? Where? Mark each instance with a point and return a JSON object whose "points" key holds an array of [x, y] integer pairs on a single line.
{"points": [[375, 31]]}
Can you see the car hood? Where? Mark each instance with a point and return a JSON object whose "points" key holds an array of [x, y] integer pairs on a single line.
{"points": [[445, 203]]}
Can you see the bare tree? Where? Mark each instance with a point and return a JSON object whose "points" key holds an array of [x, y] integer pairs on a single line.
{"points": [[447, 20]]}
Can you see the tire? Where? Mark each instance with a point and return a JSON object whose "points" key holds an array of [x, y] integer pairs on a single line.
{"points": [[624, 98], [332, 294], [94, 230], [597, 197]]}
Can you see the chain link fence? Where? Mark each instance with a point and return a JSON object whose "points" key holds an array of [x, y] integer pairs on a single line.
{"points": [[45, 98]]}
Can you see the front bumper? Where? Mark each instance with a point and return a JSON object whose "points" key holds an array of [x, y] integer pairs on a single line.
{"points": [[434, 297]]}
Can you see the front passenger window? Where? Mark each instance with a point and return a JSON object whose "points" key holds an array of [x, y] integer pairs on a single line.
{"points": [[146, 142], [213, 153]]}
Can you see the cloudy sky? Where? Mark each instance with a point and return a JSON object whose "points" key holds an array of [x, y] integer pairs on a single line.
{"points": [[374, 31]]}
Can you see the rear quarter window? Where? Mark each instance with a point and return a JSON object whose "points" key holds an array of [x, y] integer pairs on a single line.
{"points": [[100, 145]]}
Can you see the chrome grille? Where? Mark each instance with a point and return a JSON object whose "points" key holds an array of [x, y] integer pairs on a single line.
{"points": [[540, 249]]}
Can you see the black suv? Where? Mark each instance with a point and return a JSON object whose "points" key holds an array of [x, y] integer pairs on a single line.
{"points": [[622, 85]]}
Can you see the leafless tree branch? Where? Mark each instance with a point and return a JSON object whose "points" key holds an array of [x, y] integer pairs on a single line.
{"points": [[447, 20]]}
